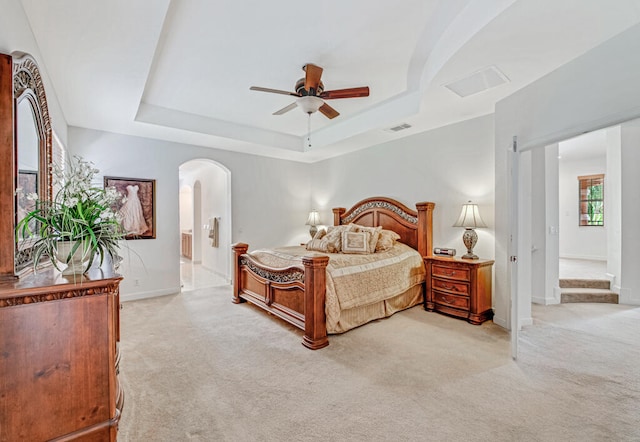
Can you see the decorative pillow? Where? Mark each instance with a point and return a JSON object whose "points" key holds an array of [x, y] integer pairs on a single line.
{"points": [[356, 242], [316, 243], [320, 234], [334, 236], [387, 240], [375, 234], [321, 245]]}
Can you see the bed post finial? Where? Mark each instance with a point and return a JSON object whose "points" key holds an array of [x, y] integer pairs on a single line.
{"points": [[425, 228], [337, 213]]}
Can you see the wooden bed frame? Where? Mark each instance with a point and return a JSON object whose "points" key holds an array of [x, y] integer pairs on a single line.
{"points": [[297, 294]]}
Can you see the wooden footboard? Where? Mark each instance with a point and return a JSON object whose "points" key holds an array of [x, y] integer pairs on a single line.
{"points": [[295, 294]]}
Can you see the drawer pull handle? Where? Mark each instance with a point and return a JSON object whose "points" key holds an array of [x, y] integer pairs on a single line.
{"points": [[449, 287]]}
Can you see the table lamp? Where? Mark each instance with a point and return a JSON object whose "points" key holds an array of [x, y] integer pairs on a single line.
{"points": [[469, 219], [313, 221]]}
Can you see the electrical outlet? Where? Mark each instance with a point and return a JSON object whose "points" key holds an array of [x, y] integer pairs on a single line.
{"points": [[136, 283]]}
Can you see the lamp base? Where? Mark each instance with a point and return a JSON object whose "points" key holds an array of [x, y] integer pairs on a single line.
{"points": [[469, 238], [312, 231]]}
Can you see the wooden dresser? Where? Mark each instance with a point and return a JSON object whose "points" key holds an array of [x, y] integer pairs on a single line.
{"points": [[59, 357], [459, 287]]}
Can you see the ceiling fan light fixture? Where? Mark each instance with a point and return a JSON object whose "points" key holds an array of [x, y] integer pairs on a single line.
{"points": [[309, 104]]}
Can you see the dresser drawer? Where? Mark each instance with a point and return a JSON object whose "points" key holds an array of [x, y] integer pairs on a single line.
{"points": [[450, 272], [456, 301], [451, 286]]}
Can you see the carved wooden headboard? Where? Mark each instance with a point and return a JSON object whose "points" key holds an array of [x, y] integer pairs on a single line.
{"points": [[414, 227]]}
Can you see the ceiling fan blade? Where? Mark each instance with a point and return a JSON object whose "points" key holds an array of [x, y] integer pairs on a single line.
{"points": [[273, 91], [286, 109], [353, 92], [312, 77], [328, 111]]}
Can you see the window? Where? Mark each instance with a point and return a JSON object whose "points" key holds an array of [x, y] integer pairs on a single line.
{"points": [[58, 156], [591, 200]]}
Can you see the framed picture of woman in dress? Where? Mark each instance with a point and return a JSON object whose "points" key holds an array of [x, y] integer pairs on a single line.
{"points": [[137, 207]]}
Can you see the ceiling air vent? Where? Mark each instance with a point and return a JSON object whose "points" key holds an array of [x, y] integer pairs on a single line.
{"points": [[398, 128], [478, 81]]}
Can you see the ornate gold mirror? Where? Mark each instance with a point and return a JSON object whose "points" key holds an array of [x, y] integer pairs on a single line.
{"points": [[25, 138]]}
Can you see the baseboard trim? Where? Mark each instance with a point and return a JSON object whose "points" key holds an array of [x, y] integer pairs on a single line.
{"points": [[215, 272], [502, 322], [612, 281], [542, 300], [148, 294], [588, 257], [525, 322], [539, 300], [626, 297]]}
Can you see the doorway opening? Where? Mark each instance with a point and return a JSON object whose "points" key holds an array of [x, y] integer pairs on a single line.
{"points": [[569, 261], [205, 224]]}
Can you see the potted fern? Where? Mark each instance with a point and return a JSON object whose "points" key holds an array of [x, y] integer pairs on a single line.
{"points": [[77, 224]]}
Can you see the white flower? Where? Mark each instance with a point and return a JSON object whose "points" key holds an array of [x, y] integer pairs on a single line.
{"points": [[107, 215]]}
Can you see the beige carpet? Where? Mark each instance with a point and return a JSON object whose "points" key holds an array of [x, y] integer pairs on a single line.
{"points": [[197, 367]]}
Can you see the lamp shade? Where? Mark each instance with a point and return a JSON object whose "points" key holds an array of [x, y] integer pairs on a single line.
{"points": [[314, 218], [469, 217]]}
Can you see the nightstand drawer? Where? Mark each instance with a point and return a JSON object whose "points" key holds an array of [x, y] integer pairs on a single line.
{"points": [[450, 272], [456, 287], [457, 301]]}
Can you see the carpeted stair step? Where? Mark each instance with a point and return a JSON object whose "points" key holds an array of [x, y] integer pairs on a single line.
{"points": [[569, 295], [585, 283]]}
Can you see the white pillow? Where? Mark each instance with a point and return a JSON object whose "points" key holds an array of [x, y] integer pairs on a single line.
{"points": [[334, 236], [356, 242], [375, 234]]}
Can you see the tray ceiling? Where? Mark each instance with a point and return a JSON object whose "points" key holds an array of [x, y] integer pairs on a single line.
{"points": [[181, 70]]}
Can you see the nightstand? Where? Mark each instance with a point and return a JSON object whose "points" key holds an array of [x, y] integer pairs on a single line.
{"points": [[459, 287]]}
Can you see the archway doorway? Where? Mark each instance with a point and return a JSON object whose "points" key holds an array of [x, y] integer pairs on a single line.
{"points": [[205, 224]]}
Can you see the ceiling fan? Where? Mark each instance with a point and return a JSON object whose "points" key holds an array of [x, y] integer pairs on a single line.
{"points": [[310, 93]]}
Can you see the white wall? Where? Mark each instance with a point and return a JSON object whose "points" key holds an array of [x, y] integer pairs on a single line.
{"points": [[594, 91], [526, 259], [214, 198], [270, 201], [580, 242], [447, 166], [613, 206], [186, 207], [16, 36], [538, 230], [551, 226], [630, 211]]}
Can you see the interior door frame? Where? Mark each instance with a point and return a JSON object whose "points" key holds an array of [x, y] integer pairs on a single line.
{"points": [[514, 169]]}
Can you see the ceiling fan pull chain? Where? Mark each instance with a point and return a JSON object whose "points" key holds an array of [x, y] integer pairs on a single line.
{"points": [[308, 130]]}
